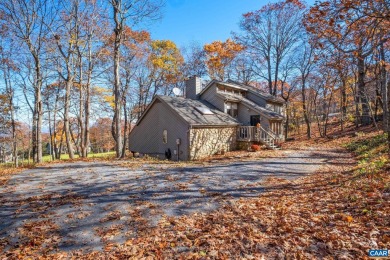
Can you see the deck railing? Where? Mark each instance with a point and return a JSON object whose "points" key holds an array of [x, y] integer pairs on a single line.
{"points": [[258, 134]]}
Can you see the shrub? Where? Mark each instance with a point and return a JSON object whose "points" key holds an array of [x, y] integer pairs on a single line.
{"points": [[255, 147], [371, 153]]}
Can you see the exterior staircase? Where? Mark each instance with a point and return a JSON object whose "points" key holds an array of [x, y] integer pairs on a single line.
{"points": [[259, 134]]}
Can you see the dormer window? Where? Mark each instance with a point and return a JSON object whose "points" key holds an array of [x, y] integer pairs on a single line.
{"points": [[231, 109]]}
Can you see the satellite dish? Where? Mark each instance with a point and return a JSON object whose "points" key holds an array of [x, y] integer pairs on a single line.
{"points": [[177, 92]]}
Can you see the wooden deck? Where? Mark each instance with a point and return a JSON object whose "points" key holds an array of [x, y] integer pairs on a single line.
{"points": [[259, 134]]}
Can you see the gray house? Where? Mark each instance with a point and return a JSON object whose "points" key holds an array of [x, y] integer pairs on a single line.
{"points": [[223, 116]]}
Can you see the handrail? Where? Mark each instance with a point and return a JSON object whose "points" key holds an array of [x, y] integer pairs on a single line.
{"points": [[253, 133], [272, 132], [269, 132]]}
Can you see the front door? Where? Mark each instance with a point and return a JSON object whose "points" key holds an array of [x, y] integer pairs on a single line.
{"points": [[255, 120]]}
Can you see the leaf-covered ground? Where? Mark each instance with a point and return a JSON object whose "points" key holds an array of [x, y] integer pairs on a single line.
{"points": [[335, 214], [338, 213]]}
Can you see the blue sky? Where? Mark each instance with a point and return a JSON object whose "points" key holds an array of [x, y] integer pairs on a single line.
{"points": [[202, 21]]}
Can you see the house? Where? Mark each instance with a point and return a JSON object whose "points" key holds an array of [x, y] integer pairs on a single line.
{"points": [[222, 116]]}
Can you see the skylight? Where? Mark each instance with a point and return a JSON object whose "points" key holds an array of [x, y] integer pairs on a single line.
{"points": [[204, 110]]}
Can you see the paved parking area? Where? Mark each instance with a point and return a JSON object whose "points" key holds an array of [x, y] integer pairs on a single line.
{"points": [[83, 205]]}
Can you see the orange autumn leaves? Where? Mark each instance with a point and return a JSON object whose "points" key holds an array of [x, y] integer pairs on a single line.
{"points": [[351, 22], [167, 59], [220, 55]]}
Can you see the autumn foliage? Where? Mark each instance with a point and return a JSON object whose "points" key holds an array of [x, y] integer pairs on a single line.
{"points": [[219, 56]]}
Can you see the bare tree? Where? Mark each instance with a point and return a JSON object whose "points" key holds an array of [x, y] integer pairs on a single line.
{"points": [[7, 67], [27, 22], [126, 12], [195, 60], [271, 34], [91, 27], [305, 65]]}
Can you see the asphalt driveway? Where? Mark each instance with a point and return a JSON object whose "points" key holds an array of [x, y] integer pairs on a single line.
{"points": [[84, 205]]}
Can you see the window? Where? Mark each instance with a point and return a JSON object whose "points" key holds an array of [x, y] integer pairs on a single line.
{"points": [[277, 109], [231, 109], [274, 107], [165, 136]]}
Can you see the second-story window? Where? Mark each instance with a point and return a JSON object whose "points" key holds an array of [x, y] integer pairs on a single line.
{"points": [[277, 109], [231, 109], [273, 107]]}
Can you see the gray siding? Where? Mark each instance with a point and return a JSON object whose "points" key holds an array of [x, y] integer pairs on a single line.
{"points": [[142, 139], [210, 95], [147, 137], [245, 113], [257, 99], [264, 122], [176, 128]]}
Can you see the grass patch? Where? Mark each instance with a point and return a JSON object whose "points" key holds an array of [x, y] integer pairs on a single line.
{"points": [[371, 152], [367, 148], [64, 157]]}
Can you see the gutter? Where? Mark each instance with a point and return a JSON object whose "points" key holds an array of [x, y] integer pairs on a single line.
{"points": [[214, 126]]}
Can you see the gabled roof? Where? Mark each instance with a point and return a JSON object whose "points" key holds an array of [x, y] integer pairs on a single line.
{"points": [[257, 91], [233, 84], [188, 110], [249, 104]]}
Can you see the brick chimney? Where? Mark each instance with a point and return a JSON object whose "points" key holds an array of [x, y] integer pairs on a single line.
{"points": [[193, 87]]}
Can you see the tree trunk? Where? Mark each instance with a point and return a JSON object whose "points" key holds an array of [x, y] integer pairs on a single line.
{"points": [[343, 103], [388, 115], [13, 125], [305, 112], [320, 127], [123, 154], [39, 126], [37, 114], [86, 118], [276, 76], [269, 74], [357, 112], [81, 118], [50, 135], [87, 102], [286, 124], [34, 146], [29, 153], [61, 144], [327, 114], [86, 124], [117, 95], [117, 106], [66, 117], [384, 90], [10, 95], [365, 117], [55, 149]]}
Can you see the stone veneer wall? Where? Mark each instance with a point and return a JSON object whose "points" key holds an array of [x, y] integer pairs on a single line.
{"points": [[209, 141]]}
